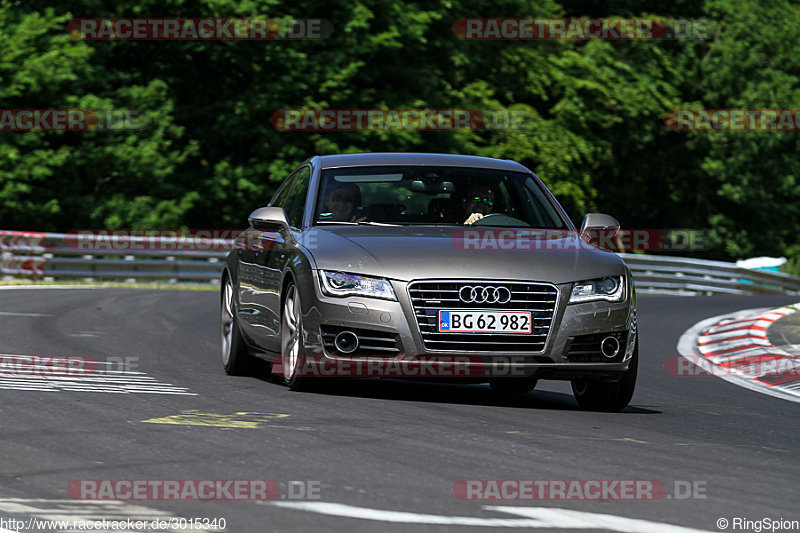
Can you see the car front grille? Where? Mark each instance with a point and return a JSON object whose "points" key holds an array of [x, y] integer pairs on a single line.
{"points": [[429, 297]]}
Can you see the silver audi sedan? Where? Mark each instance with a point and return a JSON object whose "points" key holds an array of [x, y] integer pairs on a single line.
{"points": [[429, 266]]}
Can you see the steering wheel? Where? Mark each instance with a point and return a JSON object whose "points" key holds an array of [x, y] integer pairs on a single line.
{"points": [[500, 219]]}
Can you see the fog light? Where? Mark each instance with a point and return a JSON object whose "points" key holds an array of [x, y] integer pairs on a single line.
{"points": [[610, 347], [346, 342]]}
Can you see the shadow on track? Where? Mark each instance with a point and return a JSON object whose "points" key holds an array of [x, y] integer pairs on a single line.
{"points": [[443, 392]]}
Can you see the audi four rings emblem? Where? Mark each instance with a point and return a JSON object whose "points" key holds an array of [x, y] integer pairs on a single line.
{"points": [[479, 294]]}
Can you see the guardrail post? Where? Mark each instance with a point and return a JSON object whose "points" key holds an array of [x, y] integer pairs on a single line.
{"points": [[215, 261], [133, 267], [174, 267], [92, 268]]}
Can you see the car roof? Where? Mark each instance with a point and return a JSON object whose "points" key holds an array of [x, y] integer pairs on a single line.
{"points": [[396, 158]]}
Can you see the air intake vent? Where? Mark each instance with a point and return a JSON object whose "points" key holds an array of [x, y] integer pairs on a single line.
{"points": [[370, 342], [586, 348]]}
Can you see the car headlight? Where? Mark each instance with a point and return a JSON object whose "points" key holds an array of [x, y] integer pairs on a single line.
{"points": [[341, 284], [609, 289]]}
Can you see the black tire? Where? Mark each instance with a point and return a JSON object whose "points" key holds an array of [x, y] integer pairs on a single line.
{"points": [[292, 345], [513, 385], [236, 360], [608, 396]]}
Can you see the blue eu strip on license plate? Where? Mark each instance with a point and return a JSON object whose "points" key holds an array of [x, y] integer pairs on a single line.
{"points": [[444, 321]]}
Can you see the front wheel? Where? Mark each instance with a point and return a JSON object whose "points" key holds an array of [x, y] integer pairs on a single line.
{"points": [[235, 358], [604, 396], [292, 344]]}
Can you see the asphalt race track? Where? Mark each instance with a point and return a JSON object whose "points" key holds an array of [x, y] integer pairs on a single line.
{"points": [[382, 445]]}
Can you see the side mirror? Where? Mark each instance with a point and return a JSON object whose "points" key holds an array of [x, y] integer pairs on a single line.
{"points": [[269, 219], [599, 222]]}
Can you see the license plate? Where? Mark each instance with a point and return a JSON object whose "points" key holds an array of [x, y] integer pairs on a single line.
{"points": [[484, 321]]}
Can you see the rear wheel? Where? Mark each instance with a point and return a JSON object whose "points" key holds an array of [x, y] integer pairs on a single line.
{"points": [[605, 396], [292, 345], [235, 358]]}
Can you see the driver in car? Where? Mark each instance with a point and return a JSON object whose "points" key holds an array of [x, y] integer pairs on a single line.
{"points": [[342, 201], [478, 203]]}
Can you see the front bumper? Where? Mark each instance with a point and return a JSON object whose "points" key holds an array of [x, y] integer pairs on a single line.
{"points": [[397, 319]]}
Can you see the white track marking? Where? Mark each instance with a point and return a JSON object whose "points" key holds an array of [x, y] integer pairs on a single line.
{"points": [[6, 313], [535, 518], [710, 339], [712, 347], [24, 287], [364, 513], [583, 520], [689, 349], [105, 379]]}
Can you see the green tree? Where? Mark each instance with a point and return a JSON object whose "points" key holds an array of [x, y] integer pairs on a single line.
{"points": [[206, 152]]}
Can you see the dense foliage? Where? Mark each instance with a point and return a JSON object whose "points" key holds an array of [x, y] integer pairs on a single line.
{"points": [[207, 153]]}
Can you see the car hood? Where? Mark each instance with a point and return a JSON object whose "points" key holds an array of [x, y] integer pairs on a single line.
{"points": [[447, 252]]}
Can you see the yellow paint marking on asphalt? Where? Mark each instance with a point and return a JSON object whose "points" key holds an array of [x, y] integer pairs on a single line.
{"points": [[242, 419]]}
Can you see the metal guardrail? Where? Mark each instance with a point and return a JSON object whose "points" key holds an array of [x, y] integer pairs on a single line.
{"points": [[58, 256], [683, 275]]}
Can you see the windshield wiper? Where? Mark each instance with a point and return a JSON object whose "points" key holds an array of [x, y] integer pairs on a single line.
{"points": [[362, 223]]}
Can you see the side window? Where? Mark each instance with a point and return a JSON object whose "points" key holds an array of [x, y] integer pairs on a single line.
{"points": [[279, 200], [540, 209], [296, 200]]}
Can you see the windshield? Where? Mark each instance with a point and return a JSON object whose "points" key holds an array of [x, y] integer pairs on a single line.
{"points": [[421, 195]]}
